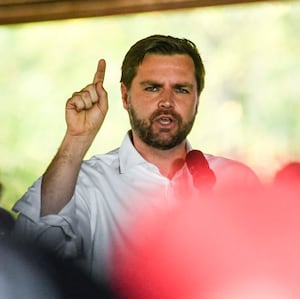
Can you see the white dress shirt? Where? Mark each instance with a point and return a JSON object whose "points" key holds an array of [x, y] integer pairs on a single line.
{"points": [[112, 192]]}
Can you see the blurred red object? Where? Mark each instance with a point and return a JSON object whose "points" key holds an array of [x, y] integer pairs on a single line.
{"points": [[231, 245]]}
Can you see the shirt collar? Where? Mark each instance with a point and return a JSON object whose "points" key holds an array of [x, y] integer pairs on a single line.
{"points": [[130, 157]]}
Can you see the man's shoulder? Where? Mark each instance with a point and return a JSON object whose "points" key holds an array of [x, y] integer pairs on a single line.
{"points": [[101, 161], [216, 162], [112, 158], [230, 171]]}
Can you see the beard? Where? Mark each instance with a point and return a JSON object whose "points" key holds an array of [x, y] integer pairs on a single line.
{"points": [[143, 128]]}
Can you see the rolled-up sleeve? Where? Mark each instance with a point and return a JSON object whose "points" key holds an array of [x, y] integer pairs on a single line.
{"points": [[57, 232]]}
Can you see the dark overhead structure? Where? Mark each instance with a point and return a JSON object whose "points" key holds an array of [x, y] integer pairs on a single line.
{"points": [[22, 11]]}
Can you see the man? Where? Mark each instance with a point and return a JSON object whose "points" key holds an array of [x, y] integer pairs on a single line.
{"points": [[83, 209]]}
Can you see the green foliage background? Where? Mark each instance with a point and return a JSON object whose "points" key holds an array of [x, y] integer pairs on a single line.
{"points": [[249, 109]]}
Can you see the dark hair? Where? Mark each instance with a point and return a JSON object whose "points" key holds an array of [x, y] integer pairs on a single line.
{"points": [[163, 45]]}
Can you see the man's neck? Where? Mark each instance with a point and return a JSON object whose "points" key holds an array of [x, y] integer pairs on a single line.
{"points": [[167, 161]]}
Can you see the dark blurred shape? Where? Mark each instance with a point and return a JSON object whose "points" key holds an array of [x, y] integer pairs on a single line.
{"points": [[22, 275], [203, 176], [7, 221], [28, 271], [31, 272]]}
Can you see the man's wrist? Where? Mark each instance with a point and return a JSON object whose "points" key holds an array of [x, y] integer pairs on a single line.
{"points": [[75, 147]]}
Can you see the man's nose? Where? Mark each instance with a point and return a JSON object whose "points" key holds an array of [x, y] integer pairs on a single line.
{"points": [[166, 100]]}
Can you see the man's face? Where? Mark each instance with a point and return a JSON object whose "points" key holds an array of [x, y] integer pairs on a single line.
{"points": [[162, 101]]}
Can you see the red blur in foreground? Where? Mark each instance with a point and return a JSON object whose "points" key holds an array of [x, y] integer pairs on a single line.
{"points": [[232, 245]]}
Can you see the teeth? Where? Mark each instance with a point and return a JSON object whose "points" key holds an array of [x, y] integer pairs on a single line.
{"points": [[165, 120]]}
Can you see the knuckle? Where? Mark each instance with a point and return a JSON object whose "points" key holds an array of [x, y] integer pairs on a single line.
{"points": [[90, 87], [85, 94], [74, 94], [79, 103]]}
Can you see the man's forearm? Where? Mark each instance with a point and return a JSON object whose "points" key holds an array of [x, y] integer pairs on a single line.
{"points": [[59, 180]]}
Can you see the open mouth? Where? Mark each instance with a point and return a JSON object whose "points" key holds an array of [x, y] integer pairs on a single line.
{"points": [[165, 123], [165, 120]]}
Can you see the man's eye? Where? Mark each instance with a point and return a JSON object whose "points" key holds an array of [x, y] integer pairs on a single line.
{"points": [[151, 88], [182, 90]]}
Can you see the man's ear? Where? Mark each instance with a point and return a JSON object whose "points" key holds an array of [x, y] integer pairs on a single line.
{"points": [[124, 93]]}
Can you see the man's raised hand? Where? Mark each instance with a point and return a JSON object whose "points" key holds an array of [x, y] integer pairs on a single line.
{"points": [[85, 112], [86, 109]]}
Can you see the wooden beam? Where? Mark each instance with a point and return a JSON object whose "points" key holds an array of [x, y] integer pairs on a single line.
{"points": [[18, 11]]}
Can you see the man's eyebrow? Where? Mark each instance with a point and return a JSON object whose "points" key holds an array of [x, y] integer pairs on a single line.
{"points": [[179, 84], [150, 82], [185, 84]]}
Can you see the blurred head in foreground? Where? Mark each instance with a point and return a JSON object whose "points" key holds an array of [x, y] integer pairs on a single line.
{"points": [[288, 176], [236, 245]]}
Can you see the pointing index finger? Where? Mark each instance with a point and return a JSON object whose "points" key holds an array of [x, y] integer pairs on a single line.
{"points": [[100, 73]]}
